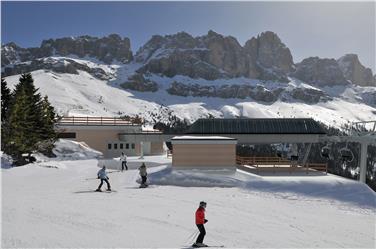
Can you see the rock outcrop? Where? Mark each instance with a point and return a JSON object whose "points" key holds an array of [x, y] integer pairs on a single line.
{"points": [[320, 72], [269, 53], [215, 56], [138, 83], [257, 93], [355, 72], [106, 49], [309, 96], [241, 91], [56, 65]]}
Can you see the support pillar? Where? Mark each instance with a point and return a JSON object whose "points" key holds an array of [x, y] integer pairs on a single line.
{"points": [[363, 162], [141, 150], [308, 150]]}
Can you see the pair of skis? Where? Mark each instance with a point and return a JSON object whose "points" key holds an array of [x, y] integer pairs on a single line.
{"points": [[196, 246], [105, 191]]}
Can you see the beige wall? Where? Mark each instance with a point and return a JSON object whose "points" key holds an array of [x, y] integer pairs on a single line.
{"points": [[97, 139], [204, 155], [156, 148]]}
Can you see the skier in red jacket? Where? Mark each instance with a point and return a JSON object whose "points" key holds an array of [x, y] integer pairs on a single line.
{"points": [[200, 221]]}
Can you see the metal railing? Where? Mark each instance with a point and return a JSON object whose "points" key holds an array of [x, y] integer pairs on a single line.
{"points": [[105, 121]]}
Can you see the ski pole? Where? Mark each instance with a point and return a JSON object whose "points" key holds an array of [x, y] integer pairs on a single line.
{"points": [[189, 237], [192, 236]]}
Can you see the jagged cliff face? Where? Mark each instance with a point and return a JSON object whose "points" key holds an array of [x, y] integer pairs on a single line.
{"points": [[320, 72], [194, 77], [215, 56], [355, 72], [106, 49], [211, 56]]}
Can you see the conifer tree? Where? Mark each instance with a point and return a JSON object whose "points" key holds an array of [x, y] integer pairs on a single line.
{"points": [[30, 120], [48, 135], [5, 100], [5, 105]]}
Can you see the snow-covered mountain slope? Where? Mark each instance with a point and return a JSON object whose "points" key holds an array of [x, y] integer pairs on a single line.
{"points": [[83, 93], [53, 204]]}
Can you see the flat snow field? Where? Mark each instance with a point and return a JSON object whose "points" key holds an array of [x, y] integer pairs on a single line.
{"points": [[52, 205]]}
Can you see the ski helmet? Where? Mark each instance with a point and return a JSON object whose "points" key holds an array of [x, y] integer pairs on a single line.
{"points": [[202, 204]]}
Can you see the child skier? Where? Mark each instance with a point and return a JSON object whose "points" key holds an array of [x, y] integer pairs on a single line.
{"points": [[123, 159], [102, 175], [143, 175], [200, 221]]}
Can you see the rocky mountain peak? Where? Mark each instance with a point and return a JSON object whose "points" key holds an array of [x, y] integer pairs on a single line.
{"points": [[106, 49], [216, 55], [355, 72], [268, 57], [320, 72], [272, 53]]}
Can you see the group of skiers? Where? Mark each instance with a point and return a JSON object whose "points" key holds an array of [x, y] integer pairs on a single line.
{"points": [[103, 177], [200, 212]]}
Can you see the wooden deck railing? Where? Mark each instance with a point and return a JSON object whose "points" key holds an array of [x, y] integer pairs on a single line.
{"points": [[262, 161], [95, 121], [278, 163], [317, 166]]}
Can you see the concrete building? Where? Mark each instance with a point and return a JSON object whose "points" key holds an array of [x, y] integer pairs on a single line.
{"points": [[103, 134], [204, 152]]}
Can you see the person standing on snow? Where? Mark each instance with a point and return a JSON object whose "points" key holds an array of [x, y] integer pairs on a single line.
{"points": [[102, 175], [200, 221], [143, 174], [123, 159]]}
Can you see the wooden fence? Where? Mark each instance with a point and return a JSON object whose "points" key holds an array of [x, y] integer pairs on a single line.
{"points": [[279, 164]]}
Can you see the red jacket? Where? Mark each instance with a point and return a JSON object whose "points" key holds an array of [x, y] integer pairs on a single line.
{"points": [[200, 216]]}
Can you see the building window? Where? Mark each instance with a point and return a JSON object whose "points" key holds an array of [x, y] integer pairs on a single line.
{"points": [[121, 146], [115, 146], [109, 146], [133, 146], [127, 146], [66, 135]]}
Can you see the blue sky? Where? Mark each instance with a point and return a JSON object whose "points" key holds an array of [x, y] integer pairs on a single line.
{"points": [[321, 29]]}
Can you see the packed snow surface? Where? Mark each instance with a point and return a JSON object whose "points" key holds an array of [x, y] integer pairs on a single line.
{"points": [[52, 203]]}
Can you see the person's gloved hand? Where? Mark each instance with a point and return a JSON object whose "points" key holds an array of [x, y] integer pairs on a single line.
{"points": [[108, 178], [205, 220]]}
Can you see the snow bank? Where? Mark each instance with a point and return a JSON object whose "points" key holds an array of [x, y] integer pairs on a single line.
{"points": [[193, 178], [72, 150], [329, 187], [6, 161]]}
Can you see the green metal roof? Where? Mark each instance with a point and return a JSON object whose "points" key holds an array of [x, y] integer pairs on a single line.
{"points": [[256, 126]]}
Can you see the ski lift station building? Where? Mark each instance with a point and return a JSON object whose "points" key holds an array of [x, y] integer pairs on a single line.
{"points": [[102, 134], [212, 142], [215, 138]]}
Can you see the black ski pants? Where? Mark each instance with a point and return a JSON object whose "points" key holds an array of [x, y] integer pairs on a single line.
{"points": [[124, 165], [104, 180], [200, 238], [143, 178]]}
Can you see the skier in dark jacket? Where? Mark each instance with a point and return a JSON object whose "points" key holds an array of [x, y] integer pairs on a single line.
{"points": [[102, 175], [200, 221], [143, 174]]}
